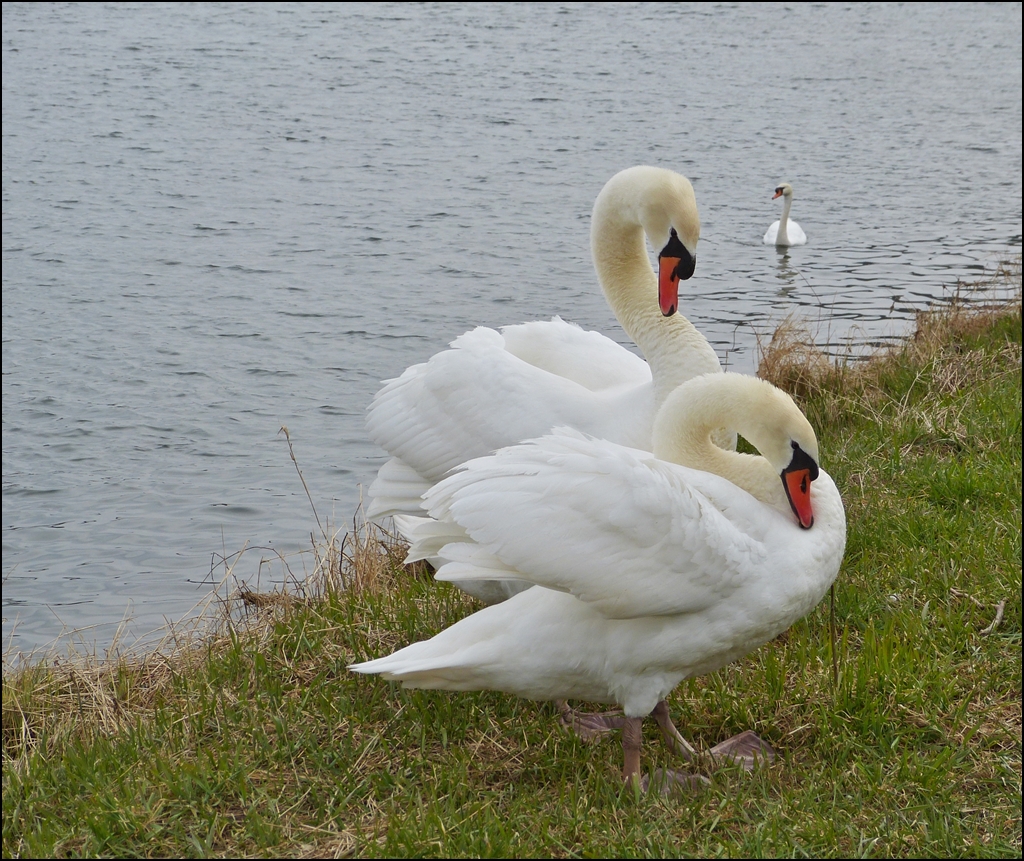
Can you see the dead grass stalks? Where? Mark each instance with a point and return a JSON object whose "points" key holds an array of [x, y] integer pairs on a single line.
{"points": [[58, 696], [940, 343]]}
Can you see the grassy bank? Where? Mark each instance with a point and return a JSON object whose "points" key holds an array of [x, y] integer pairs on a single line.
{"points": [[897, 717]]}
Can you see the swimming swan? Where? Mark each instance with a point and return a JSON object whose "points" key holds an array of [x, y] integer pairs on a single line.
{"points": [[648, 571], [785, 232], [495, 389]]}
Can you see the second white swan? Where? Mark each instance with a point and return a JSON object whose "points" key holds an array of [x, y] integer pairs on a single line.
{"points": [[785, 231], [494, 389]]}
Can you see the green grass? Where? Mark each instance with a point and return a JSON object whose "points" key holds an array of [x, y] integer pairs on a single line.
{"points": [[257, 740]]}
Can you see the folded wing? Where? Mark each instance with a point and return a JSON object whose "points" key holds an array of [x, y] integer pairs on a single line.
{"points": [[613, 526]]}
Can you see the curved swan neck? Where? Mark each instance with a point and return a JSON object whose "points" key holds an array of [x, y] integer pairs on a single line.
{"points": [[763, 414], [783, 236], [672, 346]]}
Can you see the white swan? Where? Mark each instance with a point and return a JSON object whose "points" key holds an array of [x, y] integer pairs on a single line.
{"points": [[495, 389], [784, 231], [647, 570]]}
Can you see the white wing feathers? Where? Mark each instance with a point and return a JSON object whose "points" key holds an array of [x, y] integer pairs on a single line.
{"points": [[591, 359], [444, 541], [613, 526], [472, 399], [397, 488]]}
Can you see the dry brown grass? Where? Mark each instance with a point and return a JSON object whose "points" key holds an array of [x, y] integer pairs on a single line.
{"points": [[81, 692], [792, 360], [940, 358]]}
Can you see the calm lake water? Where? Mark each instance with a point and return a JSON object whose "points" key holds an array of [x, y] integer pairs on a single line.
{"points": [[222, 219]]}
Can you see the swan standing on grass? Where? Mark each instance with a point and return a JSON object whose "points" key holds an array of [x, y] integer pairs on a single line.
{"points": [[785, 232], [648, 570], [495, 389]]}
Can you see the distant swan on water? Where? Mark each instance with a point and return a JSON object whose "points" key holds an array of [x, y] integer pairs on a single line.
{"points": [[785, 232]]}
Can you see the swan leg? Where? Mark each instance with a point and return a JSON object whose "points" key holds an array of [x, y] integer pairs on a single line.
{"points": [[589, 726], [631, 735], [745, 749], [669, 780], [664, 780], [673, 738]]}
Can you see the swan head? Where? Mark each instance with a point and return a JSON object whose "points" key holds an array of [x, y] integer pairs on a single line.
{"points": [[796, 480], [670, 219], [675, 264], [764, 415], [662, 203], [783, 189], [777, 428]]}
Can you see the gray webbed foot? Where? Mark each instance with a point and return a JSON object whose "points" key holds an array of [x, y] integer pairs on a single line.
{"points": [[669, 781], [745, 749], [589, 726]]}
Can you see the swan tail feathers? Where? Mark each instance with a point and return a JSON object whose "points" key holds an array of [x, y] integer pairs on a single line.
{"points": [[455, 659], [457, 560], [437, 673]]}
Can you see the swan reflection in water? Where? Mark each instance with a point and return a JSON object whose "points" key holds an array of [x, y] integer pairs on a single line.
{"points": [[784, 273]]}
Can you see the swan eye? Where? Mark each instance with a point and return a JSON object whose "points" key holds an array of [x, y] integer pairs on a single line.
{"points": [[802, 460]]}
